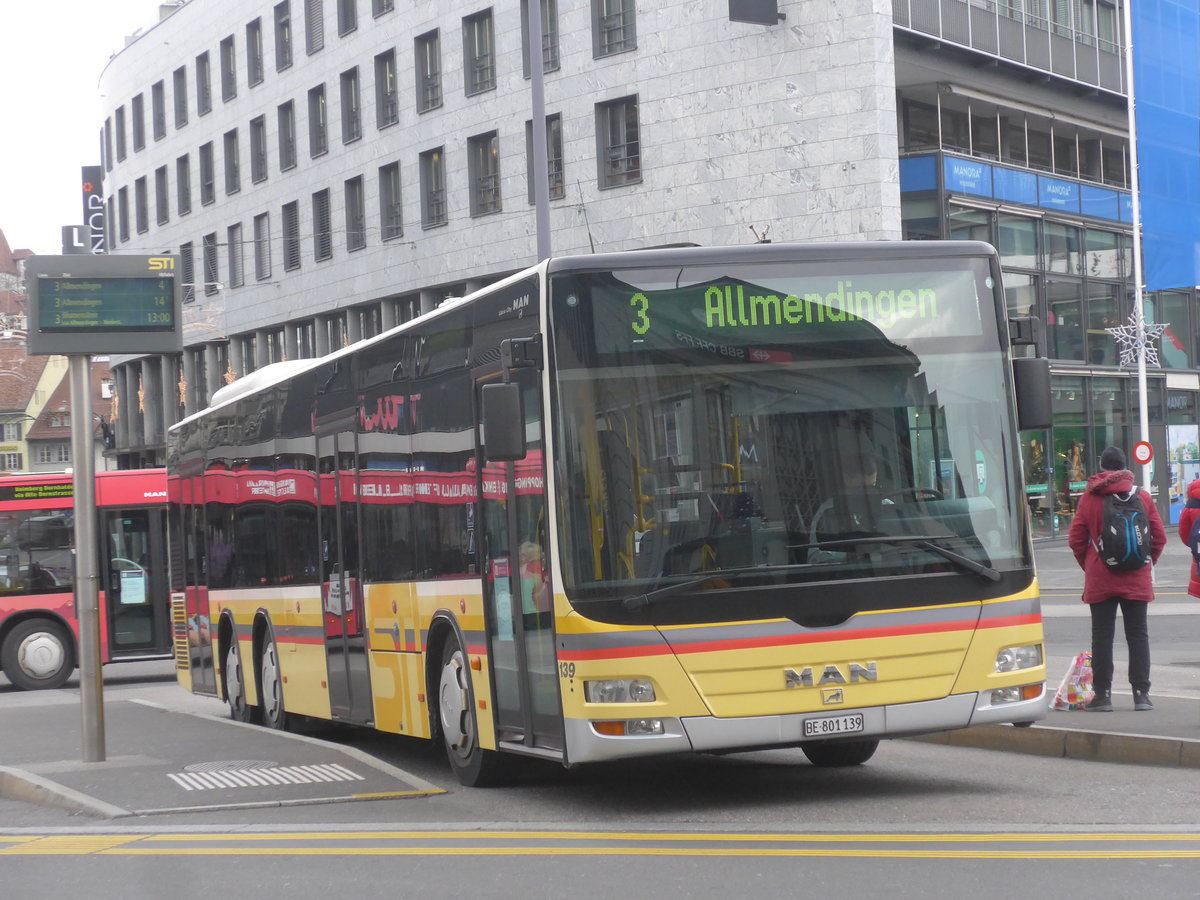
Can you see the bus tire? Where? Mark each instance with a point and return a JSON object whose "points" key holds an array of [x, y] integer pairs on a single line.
{"points": [[270, 685], [472, 765], [838, 754], [38, 655], [240, 709]]}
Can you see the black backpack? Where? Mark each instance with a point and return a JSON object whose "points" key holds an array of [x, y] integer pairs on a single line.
{"points": [[1124, 543]]}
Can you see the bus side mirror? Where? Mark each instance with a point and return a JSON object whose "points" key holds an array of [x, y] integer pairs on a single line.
{"points": [[503, 423], [1031, 383]]}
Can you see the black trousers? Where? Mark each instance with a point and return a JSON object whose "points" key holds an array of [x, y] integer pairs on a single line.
{"points": [[1104, 626]]}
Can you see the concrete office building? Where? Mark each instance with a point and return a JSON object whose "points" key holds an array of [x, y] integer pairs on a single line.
{"points": [[327, 169]]}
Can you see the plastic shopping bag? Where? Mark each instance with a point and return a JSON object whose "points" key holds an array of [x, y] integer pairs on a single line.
{"points": [[1076, 691]]}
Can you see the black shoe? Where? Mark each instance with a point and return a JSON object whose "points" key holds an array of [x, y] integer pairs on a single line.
{"points": [[1141, 701], [1102, 702]]}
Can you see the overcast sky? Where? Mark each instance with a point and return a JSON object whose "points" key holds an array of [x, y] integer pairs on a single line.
{"points": [[50, 66]]}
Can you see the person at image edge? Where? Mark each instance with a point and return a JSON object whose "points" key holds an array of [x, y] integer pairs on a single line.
{"points": [[1105, 590]]}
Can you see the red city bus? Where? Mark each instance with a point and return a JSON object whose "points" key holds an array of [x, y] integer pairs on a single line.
{"points": [[39, 631]]}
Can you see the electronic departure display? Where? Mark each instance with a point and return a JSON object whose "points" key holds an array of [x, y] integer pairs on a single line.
{"points": [[85, 305]]}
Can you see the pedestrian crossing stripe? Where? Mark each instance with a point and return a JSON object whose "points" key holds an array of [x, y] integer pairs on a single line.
{"points": [[266, 776]]}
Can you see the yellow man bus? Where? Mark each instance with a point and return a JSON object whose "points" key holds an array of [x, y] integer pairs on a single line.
{"points": [[686, 499]]}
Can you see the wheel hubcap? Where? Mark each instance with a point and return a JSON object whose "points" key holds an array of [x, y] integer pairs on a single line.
{"points": [[41, 655], [452, 704], [270, 682], [233, 679]]}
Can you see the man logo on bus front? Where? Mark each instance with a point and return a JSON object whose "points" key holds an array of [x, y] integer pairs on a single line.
{"points": [[830, 674]]}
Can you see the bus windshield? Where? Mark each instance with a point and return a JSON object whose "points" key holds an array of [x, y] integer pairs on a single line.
{"points": [[725, 429]]}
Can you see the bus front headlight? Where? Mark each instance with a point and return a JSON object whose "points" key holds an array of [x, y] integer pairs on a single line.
{"points": [[1013, 659], [627, 690]]}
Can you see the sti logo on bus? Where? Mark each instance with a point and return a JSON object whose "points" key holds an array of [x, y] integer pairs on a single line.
{"points": [[160, 263], [830, 675]]}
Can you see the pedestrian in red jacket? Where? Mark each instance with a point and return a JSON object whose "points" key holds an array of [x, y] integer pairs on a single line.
{"points": [[1187, 518], [1105, 589]]}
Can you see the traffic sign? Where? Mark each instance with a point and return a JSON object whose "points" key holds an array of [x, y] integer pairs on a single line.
{"points": [[1143, 452]]}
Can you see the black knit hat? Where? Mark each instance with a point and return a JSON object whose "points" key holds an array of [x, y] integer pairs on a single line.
{"points": [[1112, 459]]}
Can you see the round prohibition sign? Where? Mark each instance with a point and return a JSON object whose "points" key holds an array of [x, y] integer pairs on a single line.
{"points": [[1143, 452]]}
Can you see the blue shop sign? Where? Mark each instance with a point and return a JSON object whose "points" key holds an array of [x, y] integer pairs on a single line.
{"points": [[1015, 186], [1055, 193], [1100, 203], [918, 173], [967, 176]]}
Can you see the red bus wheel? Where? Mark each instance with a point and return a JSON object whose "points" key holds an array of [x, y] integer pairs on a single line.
{"points": [[38, 654]]}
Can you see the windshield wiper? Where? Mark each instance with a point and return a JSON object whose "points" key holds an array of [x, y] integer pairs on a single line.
{"points": [[929, 542], [667, 590]]}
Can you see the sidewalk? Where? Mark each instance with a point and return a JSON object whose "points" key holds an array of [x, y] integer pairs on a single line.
{"points": [[1169, 735]]}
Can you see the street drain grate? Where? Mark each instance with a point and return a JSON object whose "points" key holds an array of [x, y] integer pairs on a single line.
{"points": [[216, 776]]}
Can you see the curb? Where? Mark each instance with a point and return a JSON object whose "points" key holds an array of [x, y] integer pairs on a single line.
{"points": [[17, 784], [1067, 743]]}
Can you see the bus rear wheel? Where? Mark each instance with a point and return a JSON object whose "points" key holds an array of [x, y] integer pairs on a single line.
{"points": [[837, 754], [270, 686], [38, 654], [472, 765], [240, 709]]}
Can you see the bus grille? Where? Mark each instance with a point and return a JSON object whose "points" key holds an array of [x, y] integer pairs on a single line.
{"points": [[179, 629]]}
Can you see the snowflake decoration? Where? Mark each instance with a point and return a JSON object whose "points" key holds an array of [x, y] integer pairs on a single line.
{"points": [[1127, 341]]}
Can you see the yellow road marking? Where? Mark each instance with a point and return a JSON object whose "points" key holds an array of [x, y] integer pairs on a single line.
{"points": [[70, 844]]}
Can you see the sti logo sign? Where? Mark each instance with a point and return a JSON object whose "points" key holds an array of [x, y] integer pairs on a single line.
{"points": [[93, 208]]}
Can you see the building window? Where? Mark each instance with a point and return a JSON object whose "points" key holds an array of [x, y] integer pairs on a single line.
{"points": [[429, 71], [318, 128], [158, 110], [258, 149], [13, 462], [179, 88], [254, 53], [322, 226], [262, 247], [619, 153], [351, 117], [379, 7], [211, 270], [203, 85], [347, 16], [479, 60], [60, 420], [208, 190], [613, 27], [138, 115], [58, 452], [287, 136], [228, 69], [233, 175], [187, 269], [549, 35], [390, 213], [162, 202], [387, 109], [554, 157], [141, 206], [10, 431], [110, 221], [291, 236], [107, 151], [483, 162], [123, 214], [120, 131], [183, 185], [314, 26], [233, 242], [433, 188], [356, 217], [283, 35]]}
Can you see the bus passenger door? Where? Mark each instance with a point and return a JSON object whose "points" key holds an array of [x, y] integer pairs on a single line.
{"points": [[136, 598], [341, 581], [518, 593]]}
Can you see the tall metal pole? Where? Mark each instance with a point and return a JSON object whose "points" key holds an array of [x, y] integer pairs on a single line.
{"points": [[1139, 306], [87, 595], [541, 175]]}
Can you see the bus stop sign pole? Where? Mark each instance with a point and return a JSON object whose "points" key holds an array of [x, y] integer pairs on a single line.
{"points": [[87, 593]]}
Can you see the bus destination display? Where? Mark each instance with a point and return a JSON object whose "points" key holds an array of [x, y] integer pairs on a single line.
{"points": [[73, 304]]}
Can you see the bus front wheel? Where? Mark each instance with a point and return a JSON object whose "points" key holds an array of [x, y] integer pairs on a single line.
{"points": [[472, 765], [837, 754], [38, 654]]}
